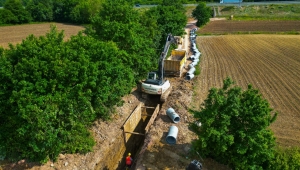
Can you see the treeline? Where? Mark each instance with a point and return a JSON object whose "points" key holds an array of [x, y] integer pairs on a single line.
{"points": [[71, 11], [51, 91]]}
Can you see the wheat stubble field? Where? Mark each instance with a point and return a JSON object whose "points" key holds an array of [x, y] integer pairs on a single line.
{"points": [[271, 63]]}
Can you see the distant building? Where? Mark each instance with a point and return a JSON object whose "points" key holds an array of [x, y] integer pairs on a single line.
{"points": [[230, 1]]}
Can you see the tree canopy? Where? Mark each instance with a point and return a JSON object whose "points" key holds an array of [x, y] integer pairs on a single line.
{"points": [[52, 90], [120, 23], [202, 13], [234, 127], [171, 18]]}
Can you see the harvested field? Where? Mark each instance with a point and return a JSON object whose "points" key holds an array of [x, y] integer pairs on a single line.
{"points": [[15, 34], [271, 63], [231, 27]]}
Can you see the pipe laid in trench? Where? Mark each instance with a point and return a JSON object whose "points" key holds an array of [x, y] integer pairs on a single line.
{"points": [[173, 115], [172, 135]]}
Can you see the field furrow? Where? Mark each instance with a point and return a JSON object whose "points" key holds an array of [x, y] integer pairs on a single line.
{"points": [[269, 62]]}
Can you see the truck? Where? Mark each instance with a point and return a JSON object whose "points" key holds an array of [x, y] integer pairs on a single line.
{"points": [[174, 64], [156, 83]]}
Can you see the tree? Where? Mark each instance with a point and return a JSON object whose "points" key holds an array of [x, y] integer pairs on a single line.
{"points": [[171, 18], [234, 127], [202, 13], [119, 22], [51, 91], [84, 10], [40, 10], [17, 9], [7, 17]]}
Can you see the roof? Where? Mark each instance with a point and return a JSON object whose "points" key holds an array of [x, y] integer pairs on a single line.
{"points": [[230, 1]]}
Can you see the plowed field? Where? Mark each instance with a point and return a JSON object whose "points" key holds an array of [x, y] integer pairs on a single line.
{"points": [[271, 63], [228, 27], [15, 34]]}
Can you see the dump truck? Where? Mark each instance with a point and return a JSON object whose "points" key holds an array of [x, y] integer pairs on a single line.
{"points": [[174, 64]]}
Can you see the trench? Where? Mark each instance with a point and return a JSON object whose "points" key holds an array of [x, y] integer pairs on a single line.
{"points": [[128, 142]]}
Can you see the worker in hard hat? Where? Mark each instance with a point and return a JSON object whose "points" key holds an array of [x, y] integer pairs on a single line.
{"points": [[128, 160]]}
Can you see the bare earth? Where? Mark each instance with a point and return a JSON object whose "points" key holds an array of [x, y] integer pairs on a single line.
{"points": [[219, 26], [270, 63], [15, 34]]}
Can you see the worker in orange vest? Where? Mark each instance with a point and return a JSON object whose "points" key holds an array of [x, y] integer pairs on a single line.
{"points": [[128, 160]]}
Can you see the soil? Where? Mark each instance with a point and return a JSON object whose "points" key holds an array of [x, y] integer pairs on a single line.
{"points": [[15, 34], [221, 26]]}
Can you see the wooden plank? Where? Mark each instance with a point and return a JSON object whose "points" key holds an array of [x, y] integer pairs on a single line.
{"points": [[135, 133], [154, 115], [148, 107], [132, 121]]}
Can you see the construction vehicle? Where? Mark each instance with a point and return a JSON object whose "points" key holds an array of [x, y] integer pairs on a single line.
{"points": [[156, 84], [194, 165]]}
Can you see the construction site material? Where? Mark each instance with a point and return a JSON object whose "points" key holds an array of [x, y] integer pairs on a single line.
{"points": [[191, 71], [172, 135], [174, 64], [190, 77], [173, 115]]}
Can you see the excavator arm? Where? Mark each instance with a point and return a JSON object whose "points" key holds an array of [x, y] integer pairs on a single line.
{"points": [[170, 40]]}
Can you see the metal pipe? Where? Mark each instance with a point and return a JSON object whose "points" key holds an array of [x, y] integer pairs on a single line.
{"points": [[173, 115], [172, 135], [190, 77]]}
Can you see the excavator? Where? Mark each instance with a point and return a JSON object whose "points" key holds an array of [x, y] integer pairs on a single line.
{"points": [[156, 84]]}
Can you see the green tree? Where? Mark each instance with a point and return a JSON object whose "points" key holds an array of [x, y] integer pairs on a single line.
{"points": [[234, 127], [51, 91], [62, 10], [17, 9], [7, 17], [202, 13], [171, 18], [40, 10], [120, 23], [84, 10], [285, 158]]}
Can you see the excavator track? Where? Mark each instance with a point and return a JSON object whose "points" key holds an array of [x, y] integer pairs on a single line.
{"points": [[164, 96]]}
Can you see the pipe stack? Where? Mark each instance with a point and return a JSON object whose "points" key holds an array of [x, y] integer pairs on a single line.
{"points": [[196, 55]]}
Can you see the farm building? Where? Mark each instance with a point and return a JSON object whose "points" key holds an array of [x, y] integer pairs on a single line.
{"points": [[230, 1]]}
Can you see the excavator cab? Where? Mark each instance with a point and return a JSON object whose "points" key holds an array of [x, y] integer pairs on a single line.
{"points": [[153, 78]]}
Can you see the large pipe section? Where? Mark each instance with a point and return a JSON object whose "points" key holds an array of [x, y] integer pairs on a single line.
{"points": [[172, 135], [190, 76], [191, 71], [173, 115]]}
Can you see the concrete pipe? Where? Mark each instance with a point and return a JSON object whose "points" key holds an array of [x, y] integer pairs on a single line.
{"points": [[192, 57], [173, 115], [172, 135], [191, 71], [193, 64], [190, 77]]}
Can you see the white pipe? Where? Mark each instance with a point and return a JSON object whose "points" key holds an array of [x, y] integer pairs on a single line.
{"points": [[172, 135], [191, 71], [173, 115], [189, 77]]}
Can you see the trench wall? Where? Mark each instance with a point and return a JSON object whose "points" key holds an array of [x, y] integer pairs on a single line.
{"points": [[114, 157]]}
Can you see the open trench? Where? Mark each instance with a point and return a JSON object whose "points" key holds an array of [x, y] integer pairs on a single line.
{"points": [[132, 141]]}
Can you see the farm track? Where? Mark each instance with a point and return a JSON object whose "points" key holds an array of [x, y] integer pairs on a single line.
{"points": [[269, 62]]}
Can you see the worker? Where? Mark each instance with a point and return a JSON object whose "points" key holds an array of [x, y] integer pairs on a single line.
{"points": [[128, 160]]}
